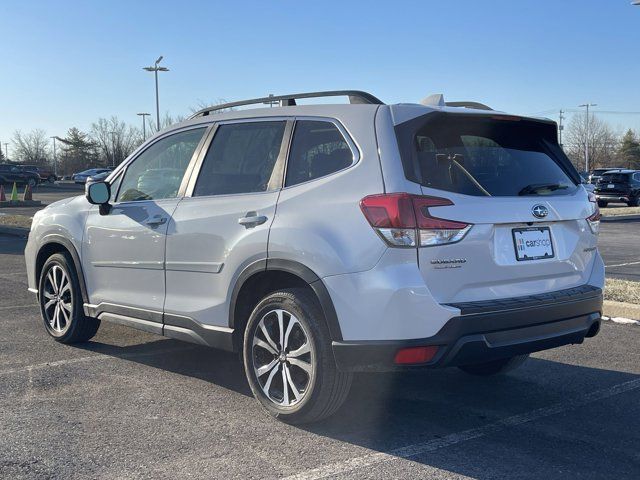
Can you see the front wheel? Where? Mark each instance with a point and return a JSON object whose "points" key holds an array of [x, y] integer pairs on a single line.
{"points": [[51, 179], [32, 182], [288, 358], [61, 301], [495, 367], [635, 201], [602, 203]]}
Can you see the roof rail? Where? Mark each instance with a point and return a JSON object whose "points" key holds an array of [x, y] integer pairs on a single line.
{"points": [[476, 105], [355, 96]]}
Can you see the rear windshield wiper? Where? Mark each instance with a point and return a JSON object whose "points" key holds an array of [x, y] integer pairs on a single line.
{"points": [[535, 188]]}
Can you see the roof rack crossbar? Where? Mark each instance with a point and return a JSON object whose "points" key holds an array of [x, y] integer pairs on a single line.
{"points": [[355, 97]]}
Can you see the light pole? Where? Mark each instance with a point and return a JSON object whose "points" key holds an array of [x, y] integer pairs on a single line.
{"points": [[55, 159], [155, 69], [113, 145], [144, 127], [586, 135], [6, 150]]}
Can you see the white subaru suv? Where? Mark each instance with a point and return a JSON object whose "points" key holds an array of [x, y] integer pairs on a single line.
{"points": [[322, 240]]}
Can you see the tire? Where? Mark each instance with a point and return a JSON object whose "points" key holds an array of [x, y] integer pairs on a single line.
{"points": [[634, 202], [602, 203], [495, 367], [60, 301], [321, 388], [51, 179], [32, 182]]}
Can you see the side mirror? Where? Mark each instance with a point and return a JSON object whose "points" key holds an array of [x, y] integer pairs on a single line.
{"points": [[99, 193]]}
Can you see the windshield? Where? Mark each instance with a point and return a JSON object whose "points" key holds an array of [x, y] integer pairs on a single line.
{"points": [[485, 156]]}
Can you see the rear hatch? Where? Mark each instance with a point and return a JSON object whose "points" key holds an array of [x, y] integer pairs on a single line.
{"points": [[512, 196], [613, 184]]}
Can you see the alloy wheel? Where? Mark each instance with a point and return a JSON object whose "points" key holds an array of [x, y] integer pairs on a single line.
{"points": [[57, 299], [283, 358]]}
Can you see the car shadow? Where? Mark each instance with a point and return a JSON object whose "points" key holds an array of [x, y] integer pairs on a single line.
{"points": [[394, 412]]}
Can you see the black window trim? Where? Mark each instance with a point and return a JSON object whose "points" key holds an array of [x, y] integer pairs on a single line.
{"points": [[121, 170], [353, 146], [278, 169]]}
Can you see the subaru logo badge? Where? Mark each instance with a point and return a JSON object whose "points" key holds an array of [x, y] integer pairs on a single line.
{"points": [[540, 211]]}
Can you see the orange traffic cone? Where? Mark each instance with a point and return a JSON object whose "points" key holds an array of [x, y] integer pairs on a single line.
{"points": [[26, 196], [3, 197]]}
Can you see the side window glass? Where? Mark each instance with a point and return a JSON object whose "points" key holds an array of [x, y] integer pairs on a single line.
{"points": [[317, 149], [157, 172], [241, 159]]}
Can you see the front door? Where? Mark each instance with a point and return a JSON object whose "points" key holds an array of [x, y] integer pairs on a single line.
{"points": [[123, 251]]}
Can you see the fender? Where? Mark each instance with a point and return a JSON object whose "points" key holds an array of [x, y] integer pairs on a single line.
{"points": [[55, 238], [299, 270]]}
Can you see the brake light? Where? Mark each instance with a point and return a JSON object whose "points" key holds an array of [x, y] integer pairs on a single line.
{"points": [[594, 219], [404, 220]]}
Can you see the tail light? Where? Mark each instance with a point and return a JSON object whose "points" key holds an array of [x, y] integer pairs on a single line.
{"points": [[594, 219], [404, 220], [415, 355]]}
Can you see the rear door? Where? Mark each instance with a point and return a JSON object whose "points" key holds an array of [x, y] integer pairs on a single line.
{"points": [[222, 225], [509, 182]]}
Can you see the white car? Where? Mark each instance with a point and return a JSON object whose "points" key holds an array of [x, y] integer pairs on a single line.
{"points": [[323, 240]]}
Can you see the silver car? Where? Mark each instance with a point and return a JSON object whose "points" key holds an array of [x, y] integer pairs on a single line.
{"points": [[323, 240]]}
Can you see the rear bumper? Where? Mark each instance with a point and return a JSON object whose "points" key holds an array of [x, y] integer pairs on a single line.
{"points": [[489, 330], [613, 197]]}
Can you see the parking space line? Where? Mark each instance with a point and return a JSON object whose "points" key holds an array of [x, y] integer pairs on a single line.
{"points": [[455, 438], [96, 357], [19, 306], [622, 264]]}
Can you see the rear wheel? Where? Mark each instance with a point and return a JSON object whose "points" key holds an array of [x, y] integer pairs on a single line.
{"points": [[61, 302], [635, 201], [494, 367], [288, 359], [32, 182], [51, 179], [602, 203]]}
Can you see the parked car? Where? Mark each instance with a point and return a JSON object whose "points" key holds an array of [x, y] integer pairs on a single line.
{"points": [[81, 177], [99, 176], [597, 173], [11, 173], [323, 240], [619, 186], [45, 173]]}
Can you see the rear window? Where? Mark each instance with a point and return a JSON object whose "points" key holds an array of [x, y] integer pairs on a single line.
{"points": [[485, 156], [615, 178]]}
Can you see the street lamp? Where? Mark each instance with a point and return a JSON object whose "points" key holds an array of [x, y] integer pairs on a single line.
{"points": [[586, 134], [6, 150], [155, 69], [55, 158], [144, 128]]}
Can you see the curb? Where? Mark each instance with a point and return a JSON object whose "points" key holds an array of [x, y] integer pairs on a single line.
{"points": [[619, 218], [621, 309], [20, 203], [15, 231]]}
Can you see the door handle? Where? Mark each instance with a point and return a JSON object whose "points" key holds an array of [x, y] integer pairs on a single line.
{"points": [[252, 219], [156, 221]]}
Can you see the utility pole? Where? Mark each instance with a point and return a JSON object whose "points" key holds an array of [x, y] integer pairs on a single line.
{"points": [[560, 128], [6, 151], [155, 69], [144, 127], [586, 134], [55, 158]]}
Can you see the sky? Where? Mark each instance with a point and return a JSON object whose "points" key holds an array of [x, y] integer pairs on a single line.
{"points": [[66, 63]]}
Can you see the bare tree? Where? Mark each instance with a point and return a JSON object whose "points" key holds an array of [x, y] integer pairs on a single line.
{"points": [[115, 140], [31, 147], [602, 141], [165, 122]]}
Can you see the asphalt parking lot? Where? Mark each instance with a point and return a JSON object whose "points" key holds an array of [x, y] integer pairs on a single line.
{"points": [[133, 405]]}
